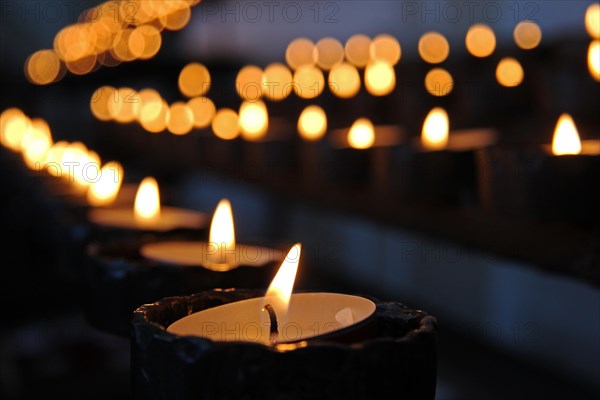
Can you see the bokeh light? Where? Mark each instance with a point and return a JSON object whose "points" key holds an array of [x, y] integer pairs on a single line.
{"points": [[480, 40], [592, 20], [380, 78], [527, 35], [309, 82], [329, 52], [194, 80], [385, 48], [594, 59], [253, 120], [344, 80], [357, 50], [42, 67], [225, 124], [312, 123], [301, 52], [509, 72], [362, 134], [203, 110], [439, 82], [181, 119], [433, 47], [249, 82], [277, 82]]}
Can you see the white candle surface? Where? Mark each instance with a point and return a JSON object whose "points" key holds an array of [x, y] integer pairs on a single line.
{"points": [[209, 255], [170, 218], [310, 315]]}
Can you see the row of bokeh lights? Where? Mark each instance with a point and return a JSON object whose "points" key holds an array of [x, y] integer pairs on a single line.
{"points": [[72, 162]]}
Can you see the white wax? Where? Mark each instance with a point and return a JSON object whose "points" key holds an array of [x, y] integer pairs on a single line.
{"points": [[170, 218], [310, 315], [194, 253]]}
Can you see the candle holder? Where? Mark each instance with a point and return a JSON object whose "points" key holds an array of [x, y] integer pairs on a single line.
{"points": [[445, 177], [119, 279], [398, 356], [529, 182], [370, 168], [270, 158]]}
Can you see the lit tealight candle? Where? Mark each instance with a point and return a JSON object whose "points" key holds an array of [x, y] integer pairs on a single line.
{"points": [[279, 316], [436, 135], [566, 140], [220, 253], [147, 213]]}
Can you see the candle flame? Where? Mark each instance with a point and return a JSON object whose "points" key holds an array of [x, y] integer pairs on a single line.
{"points": [[361, 134], [435, 130], [566, 139], [280, 289], [312, 123], [222, 233], [254, 120], [147, 202], [104, 191]]}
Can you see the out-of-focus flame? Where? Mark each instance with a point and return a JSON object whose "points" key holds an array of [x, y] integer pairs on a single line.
{"points": [[566, 139], [312, 123], [104, 191], [254, 120], [147, 202], [435, 130], [361, 134], [280, 290]]}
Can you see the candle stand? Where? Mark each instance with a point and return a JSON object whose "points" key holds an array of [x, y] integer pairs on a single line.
{"points": [[398, 359]]}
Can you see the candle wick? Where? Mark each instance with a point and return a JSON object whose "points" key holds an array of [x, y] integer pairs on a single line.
{"points": [[274, 330]]}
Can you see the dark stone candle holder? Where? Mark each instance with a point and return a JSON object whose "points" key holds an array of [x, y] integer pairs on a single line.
{"points": [[119, 279], [529, 182], [445, 177], [398, 359]]}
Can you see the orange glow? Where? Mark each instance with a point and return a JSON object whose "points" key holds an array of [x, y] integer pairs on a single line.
{"points": [[150, 101], [13, 124], [480, 40], [380, 78], [329, 52], [312, 123], [301, 52], [36, 143], [154, 116], [194, 80], [222, 235], [152, 41], [249, 82], [385, 48], [527, 35], [124, 107], [361, 134], [277, 82], [566, 139], [433, 47], [99, 103], [344, 80], [594, 59], [439, 82], [203, 110], [225, 124], [253, 120], [280, 290], [309, 82], [105, 190], [179, 17], [357, 50], [81, 66], [147, 202], [435, 130], [53, 161], [42, 67], [509, 72], [181, 119], [592, 20]]}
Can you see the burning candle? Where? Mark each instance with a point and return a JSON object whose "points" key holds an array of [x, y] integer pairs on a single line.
{"points": [[147, 213], [566, 140], [220, 253], [279, 316]]}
